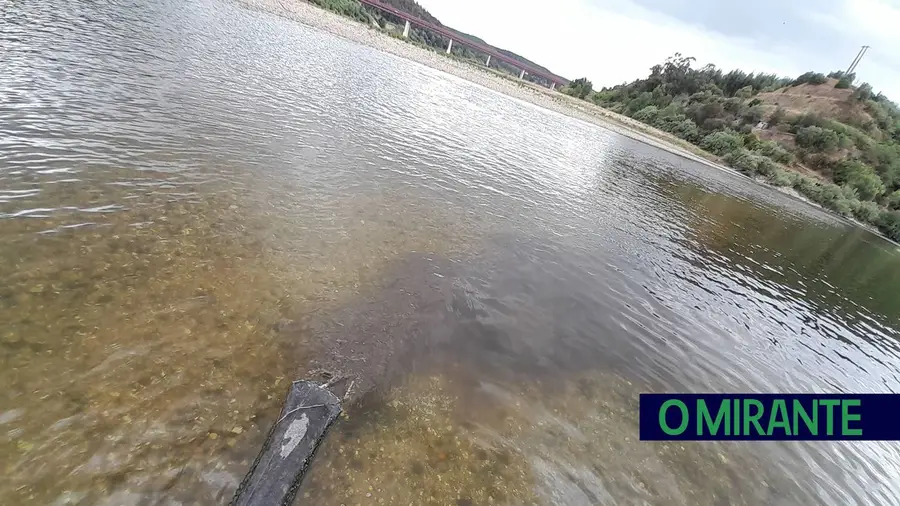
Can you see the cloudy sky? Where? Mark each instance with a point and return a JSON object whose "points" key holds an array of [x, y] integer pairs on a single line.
{"points": [[613, 41]]}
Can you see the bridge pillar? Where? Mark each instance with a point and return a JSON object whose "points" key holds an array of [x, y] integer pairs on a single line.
{"points": [[552, 86], [488, 62], [406, 30], [522, 74], [449, 46]]}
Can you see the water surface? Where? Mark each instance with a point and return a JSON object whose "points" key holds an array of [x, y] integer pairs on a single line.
{"points": [[199, 203]]}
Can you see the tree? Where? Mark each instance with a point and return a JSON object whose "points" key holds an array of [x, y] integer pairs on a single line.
{"points": [[744, 93], [810, 78], [860, 177], [579, 88], [863, 92], [722, 142], [817, 138]]}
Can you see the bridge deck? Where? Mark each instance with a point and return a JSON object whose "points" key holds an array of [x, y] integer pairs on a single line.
{"points": [[465, 41]]}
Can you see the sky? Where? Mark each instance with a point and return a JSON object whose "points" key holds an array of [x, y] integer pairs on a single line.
{"points": [[615, 41]]}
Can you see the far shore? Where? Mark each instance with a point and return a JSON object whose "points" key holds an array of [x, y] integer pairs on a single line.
{"points": [[310, 15]]}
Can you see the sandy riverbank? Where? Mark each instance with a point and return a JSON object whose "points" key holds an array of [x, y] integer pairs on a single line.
{"points": [[310, 15]]}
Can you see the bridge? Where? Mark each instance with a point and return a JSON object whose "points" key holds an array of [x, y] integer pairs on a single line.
{"points": [[489, 51]]}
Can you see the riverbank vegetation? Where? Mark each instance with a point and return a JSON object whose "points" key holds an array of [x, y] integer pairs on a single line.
{"points": [[833, 141]]}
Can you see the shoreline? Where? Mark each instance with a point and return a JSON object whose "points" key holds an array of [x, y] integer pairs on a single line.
{"points": [[303, 12], [310, 15]]}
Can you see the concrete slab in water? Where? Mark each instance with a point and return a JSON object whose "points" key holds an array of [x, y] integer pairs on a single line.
{"points": [[276, 473]]}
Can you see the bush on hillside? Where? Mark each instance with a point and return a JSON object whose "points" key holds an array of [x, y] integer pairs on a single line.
{"points": [[893, 201], [647, 115], [889, 224], [817, 139], [863, 92], [714, 124], [753, 115], [781, 177], [817, 161], [774, 151], [865, 211], [810, 78], [579, 88], [751, 163], [828, 195], [683, 127], [350, 8], [860, 177], [722, 142], [777, 116]]}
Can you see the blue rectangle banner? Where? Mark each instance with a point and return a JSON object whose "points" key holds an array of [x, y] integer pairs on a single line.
{"points": [[769, 417]]}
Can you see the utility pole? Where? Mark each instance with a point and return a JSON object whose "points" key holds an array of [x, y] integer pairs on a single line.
{"points": [[859, 55]]}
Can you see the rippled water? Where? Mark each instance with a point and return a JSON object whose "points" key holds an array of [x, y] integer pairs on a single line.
{"points": [[199, 203]]}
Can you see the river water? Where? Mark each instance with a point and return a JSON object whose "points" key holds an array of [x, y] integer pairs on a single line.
{"points": [[199, 203]]}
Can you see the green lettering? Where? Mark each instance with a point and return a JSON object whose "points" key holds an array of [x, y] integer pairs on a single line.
{"points": [[754, 417], [737, 417], [684, 417], [846, 417], [704, 418], [778, 418], [829, 404], [812, 424]]}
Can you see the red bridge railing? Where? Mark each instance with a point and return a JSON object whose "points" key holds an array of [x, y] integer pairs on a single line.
{"points": [[464, 41]]}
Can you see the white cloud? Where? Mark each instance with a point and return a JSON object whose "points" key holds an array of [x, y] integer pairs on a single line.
{"points": [[617, 41], [876, 21], [610, 44]]}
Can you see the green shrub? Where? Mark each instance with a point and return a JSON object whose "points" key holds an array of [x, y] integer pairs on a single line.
{"points": [[842, 206], [889, 224], [647, 115], [850, 192], [843, 83], [781, 177], [774, 151], [753, 115], [817, 139], [844, 142], [828, 195], [865, 211], [350, 8], [893, 201], [818, 161], [861, 177], [687, 130], [750, 163], [722, 142], [579, 88], [811, 78]]}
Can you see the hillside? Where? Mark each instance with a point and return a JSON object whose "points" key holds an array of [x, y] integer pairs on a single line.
{"points": [[834, 142], [354, 9]]}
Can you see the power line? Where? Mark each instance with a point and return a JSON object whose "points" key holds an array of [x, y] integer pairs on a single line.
{"points": [[859, 55]]}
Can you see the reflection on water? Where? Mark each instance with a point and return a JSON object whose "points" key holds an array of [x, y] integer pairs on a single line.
{"points": [[199, 203]]}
